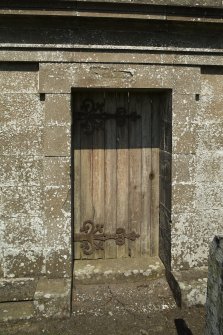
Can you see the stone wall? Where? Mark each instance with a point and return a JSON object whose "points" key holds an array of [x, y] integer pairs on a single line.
{"points": [[35, 191], [214, 304], [47, 60]]}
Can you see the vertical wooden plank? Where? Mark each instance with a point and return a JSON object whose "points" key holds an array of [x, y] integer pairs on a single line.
{"points": [[122, 174], [146, 170], [98, 175], [110, 175], [77, 174], [86, 191], [154, 236], [135, 173]]}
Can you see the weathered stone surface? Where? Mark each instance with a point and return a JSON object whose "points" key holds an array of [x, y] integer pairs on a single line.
{"points": [[57, 202], [26, 200], [210, 195], [21, 109], [16, 311], [184, 168], [117, 270], [59, 78], [57, 171], [21, 171], [58, 232], [209, 136], [107, 57], [52, 298], [190, 238], [209, 167], [184, 198], [185, 107], [191, 286], [23, 231], [210, 107], [17, 289], [186, 80], [214, 304], [57, 108], [23, 263], [57, 141], [19, 139], [184, 137], [59, 261], [19, 78]]}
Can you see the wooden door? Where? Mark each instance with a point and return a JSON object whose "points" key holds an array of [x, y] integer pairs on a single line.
{"points": [[114, 213]]}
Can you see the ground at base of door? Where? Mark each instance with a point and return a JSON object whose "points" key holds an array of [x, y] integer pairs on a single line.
{"points": [[168, 322], [117, 309]]}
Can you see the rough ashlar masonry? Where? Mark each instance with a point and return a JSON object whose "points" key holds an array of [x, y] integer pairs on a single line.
{"points": [[37, 80]]}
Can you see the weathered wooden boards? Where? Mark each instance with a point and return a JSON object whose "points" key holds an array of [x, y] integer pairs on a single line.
{"points": [[114, 170]]}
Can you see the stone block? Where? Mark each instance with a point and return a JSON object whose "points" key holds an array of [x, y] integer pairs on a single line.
{"points": [[190, 238], [26, 200], [184, 107], [59, 78], [57, 110], [57, 171], [186, 80], [21, 140], [58, 262], [23, 263], [113, 271], [17, 289], [19, 78], [58, 232], [209, 136], [184, 198], [210, 108], [16, 311], [57, 202], [57, 141], [210, 195], [184, 168], [22, 109], [26, 170], [209, 166], [23, 231], [211, 82], [191, 286], [52, 298], [184, 138]]}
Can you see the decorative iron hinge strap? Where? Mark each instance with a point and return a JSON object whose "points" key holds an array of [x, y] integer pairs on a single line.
{"points": [[92, 237], [93, 116]]}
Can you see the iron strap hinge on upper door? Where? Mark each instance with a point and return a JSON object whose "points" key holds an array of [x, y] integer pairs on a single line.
{"points": [[93, 116]]}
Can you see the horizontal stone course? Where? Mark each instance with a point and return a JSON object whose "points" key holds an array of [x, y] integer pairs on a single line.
{"points": [[17, 289], [52, 298], [16, 311]]}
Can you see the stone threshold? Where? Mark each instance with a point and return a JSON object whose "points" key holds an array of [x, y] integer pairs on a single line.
{"points": [[123, 270]]}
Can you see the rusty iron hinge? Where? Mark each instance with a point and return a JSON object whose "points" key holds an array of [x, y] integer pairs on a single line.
{"points": [[92, 237], [93, 116]]}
